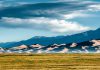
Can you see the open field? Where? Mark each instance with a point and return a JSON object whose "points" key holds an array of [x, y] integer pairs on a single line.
{"points": [[50, 62]]}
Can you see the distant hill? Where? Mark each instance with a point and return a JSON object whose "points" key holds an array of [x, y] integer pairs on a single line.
{"points": [[80, 37], [92, 46]]}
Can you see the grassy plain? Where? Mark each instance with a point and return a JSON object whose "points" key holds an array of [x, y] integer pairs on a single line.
{"points": [[50, 62]]}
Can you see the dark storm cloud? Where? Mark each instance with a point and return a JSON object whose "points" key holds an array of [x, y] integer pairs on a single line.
{"points": [[54, 15], [42, 9]]}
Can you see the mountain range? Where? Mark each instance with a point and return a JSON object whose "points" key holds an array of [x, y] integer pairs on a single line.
{"points": [[45, 41], [92, 46]]}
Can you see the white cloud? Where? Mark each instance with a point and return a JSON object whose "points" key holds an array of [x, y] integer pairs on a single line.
{"points": [[94, 7], [53, 25], [75, 15], [83, 13], [9, 3], [1, 4]]}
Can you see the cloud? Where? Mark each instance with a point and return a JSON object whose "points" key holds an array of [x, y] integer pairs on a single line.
{"points": [[95, 7], [10, 3], [46, 24], [51, 10], [54, 16], [75, 15], [1, 4]]}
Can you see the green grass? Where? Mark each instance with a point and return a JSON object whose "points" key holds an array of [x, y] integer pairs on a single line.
{"points": [[50, 62]]}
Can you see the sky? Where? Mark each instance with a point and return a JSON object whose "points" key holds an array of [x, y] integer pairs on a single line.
{"points": [[23, 19]]}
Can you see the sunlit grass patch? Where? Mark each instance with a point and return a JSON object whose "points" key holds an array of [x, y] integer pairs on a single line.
{"points": [[50, 61]]}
